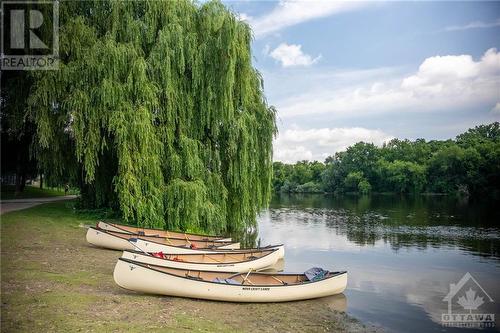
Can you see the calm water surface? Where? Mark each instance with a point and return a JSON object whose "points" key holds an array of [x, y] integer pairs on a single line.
{"points": [[401, 253]]}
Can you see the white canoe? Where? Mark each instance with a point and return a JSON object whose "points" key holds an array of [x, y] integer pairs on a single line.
{"points": [[252, 287], [121, 241], [151, 246], [157, 232], [218, 262]]}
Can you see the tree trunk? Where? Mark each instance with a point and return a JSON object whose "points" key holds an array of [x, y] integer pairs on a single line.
{"points": [[19, 188], [41, 180], [23, 181]]}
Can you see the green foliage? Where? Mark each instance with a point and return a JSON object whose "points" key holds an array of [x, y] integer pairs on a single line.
{"points": [[302, 177], [355, 181], [159, 107], [352, 180], [469, 165], [364, 187], [309, 187], [17, 129], [401, 176]]}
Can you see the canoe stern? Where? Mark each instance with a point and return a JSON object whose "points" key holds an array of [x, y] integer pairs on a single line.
{"points": [[101, 238]]}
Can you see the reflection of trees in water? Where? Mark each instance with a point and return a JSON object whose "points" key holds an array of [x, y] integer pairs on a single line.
{"points": [[481, 247], [402, 222], [396, 209]]}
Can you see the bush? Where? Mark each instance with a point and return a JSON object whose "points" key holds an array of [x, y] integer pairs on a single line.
{"points": [[288, 187], [310, 187], [364, 187]]}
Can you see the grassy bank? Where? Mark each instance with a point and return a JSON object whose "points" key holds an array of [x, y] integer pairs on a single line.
{"points": [[52, 280], [8, 192]]}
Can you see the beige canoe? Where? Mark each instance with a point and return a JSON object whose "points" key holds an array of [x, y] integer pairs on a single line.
{"points": [[219, 262], [157, 232], [152, 246], [121, 241], [249, 287]]}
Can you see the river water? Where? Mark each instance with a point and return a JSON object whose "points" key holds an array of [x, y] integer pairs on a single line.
{"points": [[401, 254]]}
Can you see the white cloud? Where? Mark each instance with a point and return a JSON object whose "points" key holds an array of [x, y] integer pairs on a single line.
{"points": [[288, 13], [496, 109], [440, 83], [474, 25], [292, 55], [244, 17], [291, 154], [297, 144]]}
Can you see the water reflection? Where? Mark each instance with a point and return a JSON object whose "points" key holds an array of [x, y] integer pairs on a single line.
{"points": [[419, 221], [401, 253]]}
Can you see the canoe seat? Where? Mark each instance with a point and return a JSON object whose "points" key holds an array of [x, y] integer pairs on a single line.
{"points": [[280, 281], [252, 258], [194, 277]]}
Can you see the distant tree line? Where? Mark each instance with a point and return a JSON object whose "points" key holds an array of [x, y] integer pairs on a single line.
{"points": [[468, 165]]}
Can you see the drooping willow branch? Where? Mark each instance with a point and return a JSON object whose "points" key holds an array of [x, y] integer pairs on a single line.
{"points": [[162, 110]]}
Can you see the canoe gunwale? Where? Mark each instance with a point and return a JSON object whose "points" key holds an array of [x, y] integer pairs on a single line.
{"points": [[148, 266], [118, 226], [217, 249], [271, 251], [133, 236]]}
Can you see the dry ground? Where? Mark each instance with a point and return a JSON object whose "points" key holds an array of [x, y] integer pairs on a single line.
{"points": [[53, 281]]}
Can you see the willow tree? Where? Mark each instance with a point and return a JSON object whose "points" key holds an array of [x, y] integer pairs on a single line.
{"points": [[161, 108]]}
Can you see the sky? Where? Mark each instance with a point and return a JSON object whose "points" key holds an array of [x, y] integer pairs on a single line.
{"points": [[343, 72]]}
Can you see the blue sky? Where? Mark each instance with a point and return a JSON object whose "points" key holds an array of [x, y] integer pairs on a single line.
{"points": [[342, 72]]}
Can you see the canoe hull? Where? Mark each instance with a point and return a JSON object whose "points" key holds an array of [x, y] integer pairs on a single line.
{"points": [[147, 246], [137, 278], [152, 232], [105, 240], [243, 266]]}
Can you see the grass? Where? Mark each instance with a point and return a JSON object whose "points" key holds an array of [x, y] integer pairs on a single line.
{"points": [[52, 280], [8, 192]]}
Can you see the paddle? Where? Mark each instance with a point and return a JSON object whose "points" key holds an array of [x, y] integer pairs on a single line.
{"points": [[246, 277]]}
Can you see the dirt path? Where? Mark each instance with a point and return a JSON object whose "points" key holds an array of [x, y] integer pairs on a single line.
{"points": [[52, 280], [18, 204]]}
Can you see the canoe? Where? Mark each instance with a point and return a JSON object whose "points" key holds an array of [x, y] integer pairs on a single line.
{"points": [[121, 241], [152, 246], [219, 286], [157, 232], [219, 262]]}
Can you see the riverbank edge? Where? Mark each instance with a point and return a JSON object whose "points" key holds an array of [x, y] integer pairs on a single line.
{"points": [[52, 280]]}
